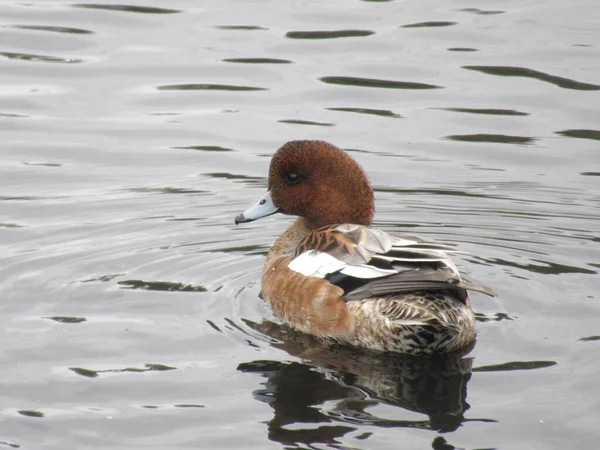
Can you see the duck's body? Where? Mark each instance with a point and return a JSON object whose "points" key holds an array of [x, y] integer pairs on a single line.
{"points": [[332, 275]]}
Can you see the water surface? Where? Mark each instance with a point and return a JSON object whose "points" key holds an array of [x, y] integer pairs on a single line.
{"points": [[134, 132]]}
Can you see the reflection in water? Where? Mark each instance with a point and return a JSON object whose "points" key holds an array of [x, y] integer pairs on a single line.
{"points": [[257, 60], [160, 286], [327, 34], [40, 58], [335, 387], [509, 71], [53, 29], [127, 8], [487, 111], [432, 24], [306, 122], [368, 111], [493, 138], [581, 134], [377, 83], [208, 87]]}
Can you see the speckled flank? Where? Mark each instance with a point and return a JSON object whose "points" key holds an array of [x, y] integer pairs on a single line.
{"points": [[438, 323]]}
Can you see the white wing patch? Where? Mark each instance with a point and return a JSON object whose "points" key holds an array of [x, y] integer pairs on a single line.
{"points": [[319, 264], [316, 264]]}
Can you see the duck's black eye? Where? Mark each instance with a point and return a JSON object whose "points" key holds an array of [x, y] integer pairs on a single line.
{"points": [[292, 177]]}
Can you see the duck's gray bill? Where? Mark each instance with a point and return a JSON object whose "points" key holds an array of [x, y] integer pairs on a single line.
{"points": [[265, 207]]}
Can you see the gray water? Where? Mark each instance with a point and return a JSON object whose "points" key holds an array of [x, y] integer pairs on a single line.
{"points": [[133, 133]]}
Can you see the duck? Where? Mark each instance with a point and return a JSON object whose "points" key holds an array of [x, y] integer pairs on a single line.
{"points": [[331, 274]]}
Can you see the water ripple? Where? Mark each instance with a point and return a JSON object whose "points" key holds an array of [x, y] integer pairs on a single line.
{"points": [[482, 12], [306, 122], [487, 111], [431, 24], [53, 29], [257, 61], [127, 8], [377, 83], [492, 138], [206, 148], [327, 34], [240, 27], [368, 111], [511, 71], [208, 87], [581, 134], [40, 58]]}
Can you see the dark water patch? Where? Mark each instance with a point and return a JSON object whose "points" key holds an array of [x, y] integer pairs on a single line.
{"points": [[236, 177], [53, 29], [377, 83], [497, 317], [546, 268], [209, 87], [430, 24], [89, 373], [31, 413], [491, 138], [13, 115], [66, 319], [10, 225], [214, 325], [165, 190], [482, 12], [160, 286], [511, 71], [40, 58], [450, 192], [42, 164], [257, 60], [306, 122], [240, 27], [245, 249], [589, 338], [127, 8], [334, 34], [206, 148], [487, 111], [477, 167], [590, 174], [17, 198], [581, 134], [515, 365], [369, 111], [189, 405], [103, 278], [462, 49]]}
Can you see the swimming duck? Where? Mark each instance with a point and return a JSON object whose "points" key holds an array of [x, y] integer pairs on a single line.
{"points": [[332, 275]]}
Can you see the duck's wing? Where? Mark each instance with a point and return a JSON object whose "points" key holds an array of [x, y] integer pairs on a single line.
{"points": [[367, 262]]}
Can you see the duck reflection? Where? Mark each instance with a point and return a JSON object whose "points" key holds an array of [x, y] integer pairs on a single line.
{"points": [[335, 385]]}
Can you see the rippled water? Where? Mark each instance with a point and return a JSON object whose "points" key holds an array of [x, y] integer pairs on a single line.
{"points": [[133, 133]]}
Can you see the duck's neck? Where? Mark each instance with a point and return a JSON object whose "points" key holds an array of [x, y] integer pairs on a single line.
{"points": [[286, 244]]}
